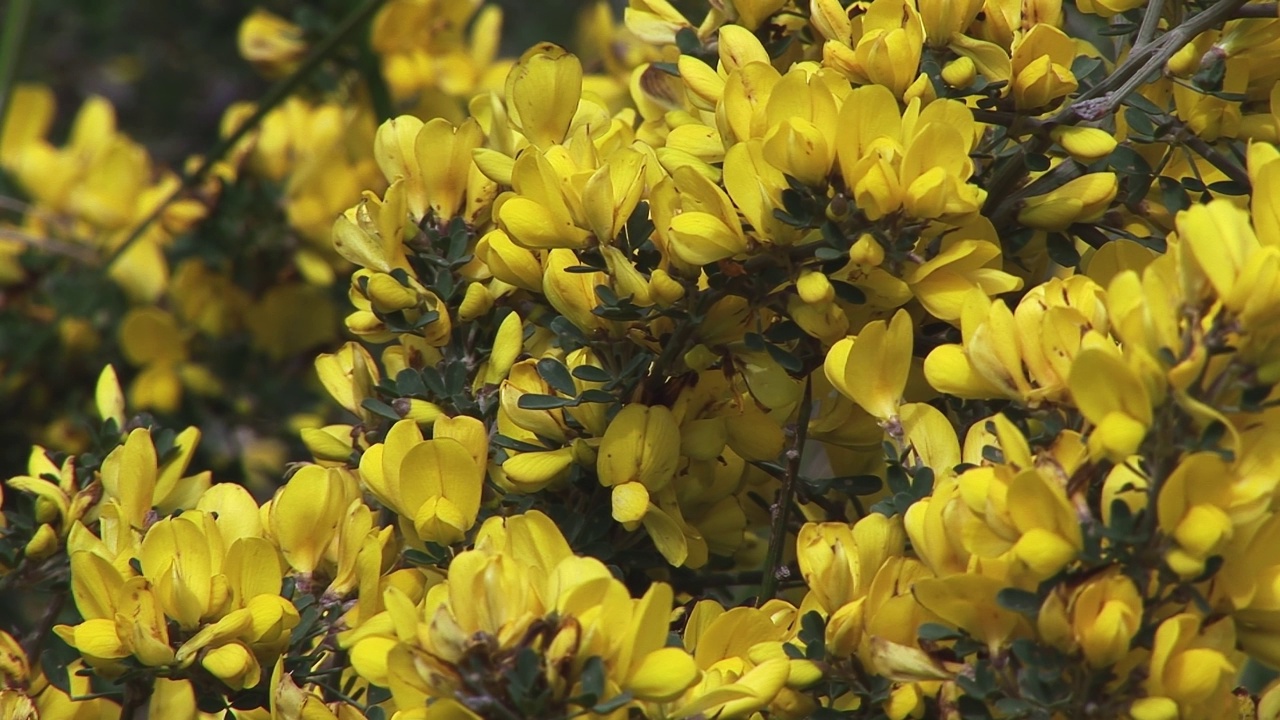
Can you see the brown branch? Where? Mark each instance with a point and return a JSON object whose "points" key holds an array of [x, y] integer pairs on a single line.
{"points": [[1102, 99], [1261, 10], [774, 570]]}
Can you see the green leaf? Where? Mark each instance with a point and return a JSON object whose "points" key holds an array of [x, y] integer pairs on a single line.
{"points": [[455, 379], [789, 362], [1209, 76], [591, 373], [1084, 66], [1173, 195], [593, 677], [409, 384], [379, 408], [570, 336], [1062, 250], [857, 484], [813, 633], [612, 703], [1140, 124], [1036, 162], [783, 332], [1019, 601], [1126, 160], [557, 375], [607, 296], [936, 632], [849, 292], [1228, 187], [597, 396], [787, 219], [688, 42], [509, 443], [534, 401]]}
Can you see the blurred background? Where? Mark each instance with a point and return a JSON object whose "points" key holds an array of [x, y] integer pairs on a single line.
{"points": [[171, 68]]}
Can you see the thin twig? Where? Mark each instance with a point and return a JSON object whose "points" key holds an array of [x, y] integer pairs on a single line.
{"points": [[137, 699], [76, 252], [1150, 23], [1197, 144], [774, 570], [1102, 99], [15, 35], [35, 643], [277, 94], [1260, 10]]}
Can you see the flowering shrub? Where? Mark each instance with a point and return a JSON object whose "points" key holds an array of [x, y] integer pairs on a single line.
{"points": [[914, 358]]}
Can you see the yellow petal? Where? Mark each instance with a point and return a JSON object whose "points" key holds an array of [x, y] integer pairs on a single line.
{"points": [[543, 91], [662, 675], [875, 371], [535, 470], [630, 501]]}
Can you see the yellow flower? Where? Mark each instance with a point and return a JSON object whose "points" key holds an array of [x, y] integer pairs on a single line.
{"points": [[1041, 62], [1018, 512], [871, 369], [704, 227], [435, 485], [542, 92], [519, 583], [1100, 618], [303, 516], [1115, 398], [1191, 671]]}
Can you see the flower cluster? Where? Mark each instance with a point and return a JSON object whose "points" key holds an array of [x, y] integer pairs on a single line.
{"points": [[909, 358]]}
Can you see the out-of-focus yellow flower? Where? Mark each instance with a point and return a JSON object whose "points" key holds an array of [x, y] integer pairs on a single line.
{"points": [[274, 45]]}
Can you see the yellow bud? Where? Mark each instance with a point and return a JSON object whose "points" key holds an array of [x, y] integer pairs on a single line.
{"points": [[1084, 199], [630, 501], [867, 251], [418, 410], [959, 73], [1084, 144], [543, 90], [705, 86], [109, 398], [475, 303], [665, 290], [814, 288], [388, 295], [42, 544], [532, 471], [234, 665]]}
